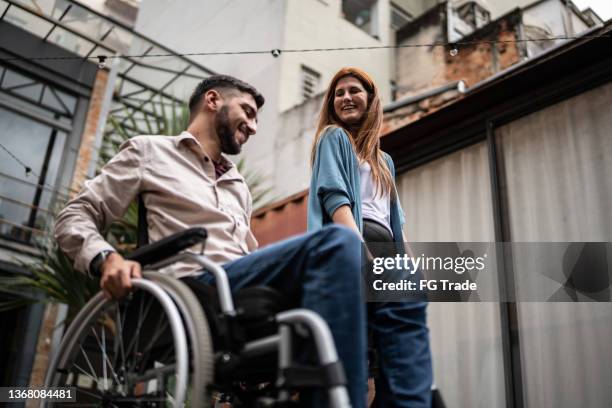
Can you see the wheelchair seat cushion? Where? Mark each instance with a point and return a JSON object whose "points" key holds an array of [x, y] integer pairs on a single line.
{"points": [[255, 307], [259, 302]]}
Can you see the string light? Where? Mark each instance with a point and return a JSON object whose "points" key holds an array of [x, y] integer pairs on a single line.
{"points": [[28, 169], [277, 51], [101, 61], [29, 172]]}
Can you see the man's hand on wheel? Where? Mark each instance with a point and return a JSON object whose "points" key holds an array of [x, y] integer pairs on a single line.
{"points": [[116, 276]]}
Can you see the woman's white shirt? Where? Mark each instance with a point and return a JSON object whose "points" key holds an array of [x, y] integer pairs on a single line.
{"points": [[373, 207]]}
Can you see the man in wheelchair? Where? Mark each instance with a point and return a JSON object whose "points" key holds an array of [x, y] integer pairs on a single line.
{"points": [[185, 181]]}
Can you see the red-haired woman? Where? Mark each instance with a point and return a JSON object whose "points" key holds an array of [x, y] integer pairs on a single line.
{"points": [[353, 185]]}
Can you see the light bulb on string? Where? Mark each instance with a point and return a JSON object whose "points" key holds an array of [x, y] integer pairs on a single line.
{"points": [[101, 61]]}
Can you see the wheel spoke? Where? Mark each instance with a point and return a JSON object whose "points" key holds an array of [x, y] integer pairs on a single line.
{"points": [[161, 326], [137, 354], [103, 347], [141, 317], [78, 367], [120, 337], [105, 359], [93, 372]]}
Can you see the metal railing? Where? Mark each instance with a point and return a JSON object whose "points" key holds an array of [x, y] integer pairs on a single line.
{"points": [[29, 227]]}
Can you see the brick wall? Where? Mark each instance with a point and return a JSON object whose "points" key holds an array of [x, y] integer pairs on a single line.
{"points": [[472, 64], [88, 138], [475, 63]]}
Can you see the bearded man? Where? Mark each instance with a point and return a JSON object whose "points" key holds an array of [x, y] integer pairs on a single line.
{"points": [[185, 181]]}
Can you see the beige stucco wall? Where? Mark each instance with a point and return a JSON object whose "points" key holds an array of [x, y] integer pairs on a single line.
{"points": [[319, 24]]}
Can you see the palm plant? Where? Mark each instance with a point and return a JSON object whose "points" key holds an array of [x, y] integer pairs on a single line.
{"points": [[52, 278]]}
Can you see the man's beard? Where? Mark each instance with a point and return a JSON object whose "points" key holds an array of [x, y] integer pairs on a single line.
{"points": [[229, 145]]}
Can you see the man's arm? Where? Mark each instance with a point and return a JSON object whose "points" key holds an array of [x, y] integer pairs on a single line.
{"points": [[102, 201]]}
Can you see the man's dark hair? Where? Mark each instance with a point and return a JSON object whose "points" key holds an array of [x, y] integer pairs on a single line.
{"points": [[220, 82]]}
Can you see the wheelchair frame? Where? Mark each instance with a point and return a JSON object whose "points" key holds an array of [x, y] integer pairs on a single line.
{"points": [[180, 304]]}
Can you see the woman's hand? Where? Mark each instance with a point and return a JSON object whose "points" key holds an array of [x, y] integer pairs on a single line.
{"points": [[344, 216]]}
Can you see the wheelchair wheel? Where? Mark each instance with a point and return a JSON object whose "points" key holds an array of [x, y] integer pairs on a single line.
{"points": [[200, 339], [131, 353]]}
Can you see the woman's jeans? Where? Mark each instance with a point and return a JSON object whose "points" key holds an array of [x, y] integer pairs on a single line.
{"points": [[401, 340]]}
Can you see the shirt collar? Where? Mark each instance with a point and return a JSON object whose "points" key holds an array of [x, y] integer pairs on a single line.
{"points": [[185, 135]]}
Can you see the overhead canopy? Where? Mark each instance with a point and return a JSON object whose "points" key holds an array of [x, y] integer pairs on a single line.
{"points": [[146, 86]]}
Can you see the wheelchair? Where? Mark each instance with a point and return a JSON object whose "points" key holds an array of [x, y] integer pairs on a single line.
{"points": [[179, 342]]}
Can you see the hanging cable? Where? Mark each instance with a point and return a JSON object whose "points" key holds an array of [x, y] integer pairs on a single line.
{"points": [[29, 172], [28, 169], [276, 52]]}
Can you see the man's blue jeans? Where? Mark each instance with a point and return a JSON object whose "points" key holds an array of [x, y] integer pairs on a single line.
{"points": [[322, 271]]}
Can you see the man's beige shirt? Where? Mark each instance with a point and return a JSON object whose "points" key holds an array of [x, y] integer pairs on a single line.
{"points": [[178, 185]]}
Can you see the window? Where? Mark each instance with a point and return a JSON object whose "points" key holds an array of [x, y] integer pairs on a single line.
{"points": [[36, 119], [399, 17], [362, 13], [310, 82], [465, 19]]}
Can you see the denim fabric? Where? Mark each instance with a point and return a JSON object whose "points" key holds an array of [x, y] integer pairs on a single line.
{"points": [[322, 270], [401, 339]]}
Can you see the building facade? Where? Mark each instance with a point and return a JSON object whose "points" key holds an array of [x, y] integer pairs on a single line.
{"points": [[293, 81], [524, 157], [60, 79]]}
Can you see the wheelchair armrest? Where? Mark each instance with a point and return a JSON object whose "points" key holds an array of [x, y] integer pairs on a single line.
{"points": [[166, 247]]}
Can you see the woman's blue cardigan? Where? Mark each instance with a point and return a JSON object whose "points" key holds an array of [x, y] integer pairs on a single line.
{"points": [[335, 182]]}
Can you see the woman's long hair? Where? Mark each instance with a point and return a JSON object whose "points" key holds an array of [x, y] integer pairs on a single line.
{"points": [[366, 141]]}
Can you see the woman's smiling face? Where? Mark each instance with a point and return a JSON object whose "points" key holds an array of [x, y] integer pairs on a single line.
{"points": [[350, 101]]}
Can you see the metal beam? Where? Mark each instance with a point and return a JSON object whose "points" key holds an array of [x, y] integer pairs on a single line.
{"points": [[106, 34], [8, 6], [60, 19], [60, 101], [156, 92], [62, 25], [157, 68], [37, 103], [511, 351], [39, 118], [99, 43], [459, 86], [148, 50], [141, 36], [134, 107]]}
